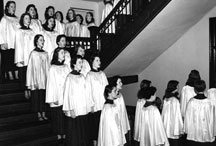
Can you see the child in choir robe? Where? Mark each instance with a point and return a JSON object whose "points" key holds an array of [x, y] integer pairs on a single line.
{"points": [[72, 27], [84, 32], [60, 27], [120, 104], [79, 50], [199, 120], [36, 77], [187, 91], [140, 103], [9, 24], [152, 132], [50, 35], [89, 19], [106, 11], [110, 133], [54, 91], [171, 113], [96, 83], [77, 105], [23, 47], [35, 25]]}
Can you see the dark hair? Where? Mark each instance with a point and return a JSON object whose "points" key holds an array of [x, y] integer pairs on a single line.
{"points": [[108, 89], [114, 79], [171, 86], [22, 19], [7, 5], [150, 91], [81, 17], [55, 56], [29, 6], [145, 83], [192, 77], [92, 18], [45, 25], [74, 60], [46, 15], [199, 86], [77, 48], [36, 39], [62, 18], [58, 38], [108, 2], [92, 58], [74, 15]]}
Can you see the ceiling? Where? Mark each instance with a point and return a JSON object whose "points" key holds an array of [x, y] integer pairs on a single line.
{"points": [[167, 27]]}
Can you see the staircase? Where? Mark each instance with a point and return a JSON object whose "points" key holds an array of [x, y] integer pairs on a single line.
{"points": [[18, 125]]}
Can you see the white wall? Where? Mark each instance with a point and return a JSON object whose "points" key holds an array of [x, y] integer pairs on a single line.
{"points": [[191, 51], [59, 5]]}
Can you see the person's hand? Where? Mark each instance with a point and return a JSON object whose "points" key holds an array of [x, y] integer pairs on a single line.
{"points": [[4, 46]]}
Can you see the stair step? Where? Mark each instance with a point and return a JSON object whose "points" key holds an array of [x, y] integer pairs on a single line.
{"points": [[17, 131], [10, 86], [12, 97]]}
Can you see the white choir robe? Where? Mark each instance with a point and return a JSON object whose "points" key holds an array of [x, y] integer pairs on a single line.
{"points": [[60, 27], [72, 29], [37, 70], [109, 128], [8, 28], [108, 8], [75, 99], [85, 68], [55, 84], [96, 83], [50, 42], [152, 132], [24, 44], [36, 26], [186, 94], [124, 122], [199, 120], [139, 107], [172, 119], [84, 31]]}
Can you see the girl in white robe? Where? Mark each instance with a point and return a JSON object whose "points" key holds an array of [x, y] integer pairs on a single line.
{"points": [[187, 91], [89, 19], [152, 132], [110, 133], [60, 26], [54, 91], [72, 27], [139, 106], [36, 77], [23, 47], [171, 113], [77, 105], [50, 35], [119, 102], [35, 22], [9, 24], [199, 120], [96, 82], [79, 50], [84, 32]]}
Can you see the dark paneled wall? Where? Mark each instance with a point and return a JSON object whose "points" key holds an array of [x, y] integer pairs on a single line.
{"points": [[1, 8]]}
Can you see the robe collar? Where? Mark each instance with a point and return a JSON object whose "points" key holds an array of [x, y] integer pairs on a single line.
{"points": [[10, 15], [169, 95], [94, 70], [25, 28], [74, 72], [109, 101], [200, 96], [149, 103], [39, 50], [73, 20], [59, 63]]}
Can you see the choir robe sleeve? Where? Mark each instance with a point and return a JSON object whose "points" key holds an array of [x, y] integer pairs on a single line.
{"points": [[60, 27], [72, 29], [3, 34], [86, 68], [84, 31], [109, 134], [19, 51]]}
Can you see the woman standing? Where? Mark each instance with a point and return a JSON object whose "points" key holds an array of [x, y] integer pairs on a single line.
{"points": [[8, 26]]}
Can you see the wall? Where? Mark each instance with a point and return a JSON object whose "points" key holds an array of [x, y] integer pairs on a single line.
{"points": [[60, 5], [191, 51]]}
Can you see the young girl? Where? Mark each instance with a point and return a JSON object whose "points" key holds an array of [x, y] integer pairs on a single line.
{"points": [[199, 120], [60, 26], [119, 102], [89, 19], [23, 47], [96, 82], [188, 90], [110, 133], [54, 92], [152, 132], [36, 76], [140, 103], [84, 32], [77, 105], [9, 24], [171, 113]]}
